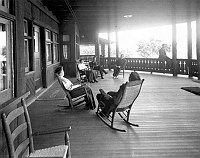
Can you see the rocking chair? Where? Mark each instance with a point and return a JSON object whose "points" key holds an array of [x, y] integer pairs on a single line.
{"points": [[19, 136], [74, 101], [131, 92]]}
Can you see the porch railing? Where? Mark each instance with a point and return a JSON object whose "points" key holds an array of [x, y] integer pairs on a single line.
{"points": [[183, 66]]}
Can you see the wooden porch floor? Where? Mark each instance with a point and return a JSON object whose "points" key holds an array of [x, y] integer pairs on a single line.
{"points": [[169, 120]]}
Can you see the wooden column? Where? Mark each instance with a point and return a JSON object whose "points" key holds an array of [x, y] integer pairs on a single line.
{"points": [[109, 49], [97, 48], [19, 49], [117, 42], [198, 38], [109, 62], [174, 42], [189, 39], [103, 50]]}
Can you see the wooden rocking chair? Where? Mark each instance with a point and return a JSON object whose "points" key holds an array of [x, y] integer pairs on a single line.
{"points": [[74, 101], [17, 125], [131, 93]]}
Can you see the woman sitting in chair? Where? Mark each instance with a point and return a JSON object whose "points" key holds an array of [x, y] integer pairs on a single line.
{"points": [[90, 74], [112, 99], [75, 90]]}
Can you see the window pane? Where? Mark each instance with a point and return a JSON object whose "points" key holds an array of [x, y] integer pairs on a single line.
{"points": [[25, 28], [48, 35], [55, 52], [36, 42], [26, 55], [3, 58], [48, 53]]}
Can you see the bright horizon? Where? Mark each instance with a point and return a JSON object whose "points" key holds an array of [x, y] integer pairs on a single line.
{"points": [[128, 39]]}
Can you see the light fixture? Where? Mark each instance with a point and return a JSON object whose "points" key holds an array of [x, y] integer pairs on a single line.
{"points": [[128, 16]]}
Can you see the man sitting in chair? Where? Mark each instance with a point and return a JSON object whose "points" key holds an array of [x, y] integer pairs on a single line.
{"points": [[76, 90], [120, 63], [112, 99], [94, 66]]}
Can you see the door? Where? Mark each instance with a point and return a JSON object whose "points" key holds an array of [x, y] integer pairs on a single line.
{"points": [[37, 55], [5, 60]]}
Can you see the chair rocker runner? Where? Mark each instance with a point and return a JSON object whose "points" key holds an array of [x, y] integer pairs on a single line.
{"points": [[25, 148], [77, 101], [131, 92]]}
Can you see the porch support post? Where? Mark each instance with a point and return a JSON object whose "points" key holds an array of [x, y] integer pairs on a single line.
{"points": [[97, 48], [198, 38], [117, 42], [109, 61], [174, 42], [189, 39], [103, 50]]}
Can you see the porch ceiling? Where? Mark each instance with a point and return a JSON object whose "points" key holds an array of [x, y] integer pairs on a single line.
{"points": [[102, 15]]}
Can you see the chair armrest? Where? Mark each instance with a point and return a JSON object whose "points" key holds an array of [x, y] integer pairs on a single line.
{"points": [[58, 130]]}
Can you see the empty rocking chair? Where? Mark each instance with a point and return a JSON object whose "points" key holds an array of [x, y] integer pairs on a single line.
{"points": [[14, 129], [131, 92]]}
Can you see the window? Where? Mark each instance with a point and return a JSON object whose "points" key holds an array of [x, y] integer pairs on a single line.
{"points": [[27, 46], [48, 47], [6, 61], [4, 5], [87, 49], [55, 48]]}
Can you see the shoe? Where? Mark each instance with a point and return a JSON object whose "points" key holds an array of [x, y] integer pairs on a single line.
{"points": [[91, 81], [102, 77], [95, 81], [106, 73]]}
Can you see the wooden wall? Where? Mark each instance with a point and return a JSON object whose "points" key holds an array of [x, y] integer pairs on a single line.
{"points": [[33, 11]]}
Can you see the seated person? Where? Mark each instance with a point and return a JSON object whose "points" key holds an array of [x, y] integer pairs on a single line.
{"points": [[76, 90], [120, 63], [163, 56], [90, 74], [112, 99], [94, 66]]}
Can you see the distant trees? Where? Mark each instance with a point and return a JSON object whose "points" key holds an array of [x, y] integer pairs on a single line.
{"points": [[150, 48]]}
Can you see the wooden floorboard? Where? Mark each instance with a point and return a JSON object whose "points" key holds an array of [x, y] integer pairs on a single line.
{"points": [[169, 120]]}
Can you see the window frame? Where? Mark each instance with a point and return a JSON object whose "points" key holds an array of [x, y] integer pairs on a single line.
{"points": [[55, 48], [28, 64], [48, 46]]}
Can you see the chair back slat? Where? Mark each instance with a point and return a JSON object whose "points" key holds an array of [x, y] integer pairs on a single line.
{"points": [[21, 147], [17, 129], [131, 92], [14, 114]]}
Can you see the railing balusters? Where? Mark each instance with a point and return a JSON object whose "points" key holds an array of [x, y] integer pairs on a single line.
{"points": [[154, 65]]}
